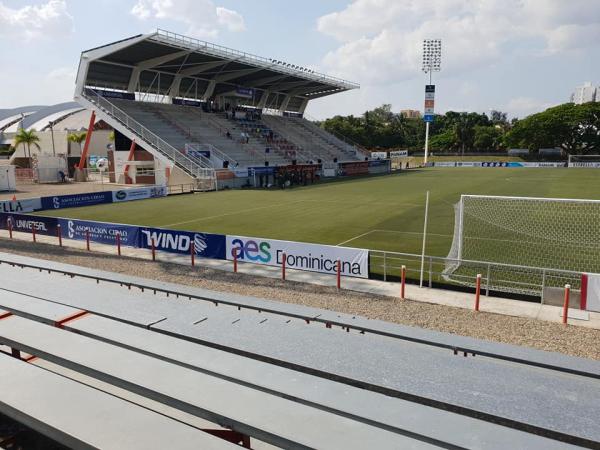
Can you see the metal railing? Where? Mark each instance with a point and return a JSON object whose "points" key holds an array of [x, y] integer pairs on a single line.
{"points": [[221, 51], [191, 167], [499, 277]]}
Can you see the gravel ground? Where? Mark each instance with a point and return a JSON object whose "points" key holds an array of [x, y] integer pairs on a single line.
{"points": [[572, 340]]}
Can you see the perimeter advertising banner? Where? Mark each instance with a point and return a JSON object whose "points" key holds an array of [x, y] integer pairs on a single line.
{"points": [[142, 193], [25, 223], [300, 255], [21, 206], [75, 200], [104, 233], [206, 245]]}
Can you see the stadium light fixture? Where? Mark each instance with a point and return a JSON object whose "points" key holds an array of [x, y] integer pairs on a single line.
{"points": [[432, 62]]}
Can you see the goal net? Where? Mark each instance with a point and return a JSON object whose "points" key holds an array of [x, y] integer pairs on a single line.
{"points": [[591, 161], [544, 233]]}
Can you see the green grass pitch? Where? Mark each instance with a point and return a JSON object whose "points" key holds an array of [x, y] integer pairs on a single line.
{"points": [[382, 213]]}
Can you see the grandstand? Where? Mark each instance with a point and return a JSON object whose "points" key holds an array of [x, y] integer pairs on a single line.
{"points": [[198, 106]]}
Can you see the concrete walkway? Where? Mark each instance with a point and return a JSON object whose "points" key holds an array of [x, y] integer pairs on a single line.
{"points": [[435, 296]]}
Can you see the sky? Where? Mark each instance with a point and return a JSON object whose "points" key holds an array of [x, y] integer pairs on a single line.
{"points": [[518, 56]]}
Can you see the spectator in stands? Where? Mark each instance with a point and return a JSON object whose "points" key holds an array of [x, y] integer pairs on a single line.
{"points": [[228, 134], [63, 176], [243, 136], [247, 138]]}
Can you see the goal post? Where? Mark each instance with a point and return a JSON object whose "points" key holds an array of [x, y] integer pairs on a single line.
{"points": [[526, 232], [584, 161]]}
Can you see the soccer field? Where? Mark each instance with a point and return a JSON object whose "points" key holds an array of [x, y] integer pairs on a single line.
{"points": [[384, 213]]}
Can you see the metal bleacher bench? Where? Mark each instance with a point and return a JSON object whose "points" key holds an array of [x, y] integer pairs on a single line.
{"points": [[260, 369]]}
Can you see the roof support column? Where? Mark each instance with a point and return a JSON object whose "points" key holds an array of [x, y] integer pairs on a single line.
{"points": [[303, 106], [262, 103], [210, 89], [285, 103], [174, 89]]}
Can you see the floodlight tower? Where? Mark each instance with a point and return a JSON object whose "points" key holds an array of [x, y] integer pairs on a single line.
{"points": [[432, 61]]}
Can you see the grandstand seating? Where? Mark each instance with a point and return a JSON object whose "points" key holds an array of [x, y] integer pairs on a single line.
{"points": [[287, 139], [307, 135]]}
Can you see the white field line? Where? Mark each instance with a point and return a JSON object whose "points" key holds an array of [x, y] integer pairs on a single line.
{"points": [[356, 237], [225, 215]]}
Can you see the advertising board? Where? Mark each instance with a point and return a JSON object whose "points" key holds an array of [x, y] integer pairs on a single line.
{"points": [[300, 255]]}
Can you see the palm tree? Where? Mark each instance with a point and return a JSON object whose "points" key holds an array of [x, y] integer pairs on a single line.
{"points": [[78, 138], [27, 138]]}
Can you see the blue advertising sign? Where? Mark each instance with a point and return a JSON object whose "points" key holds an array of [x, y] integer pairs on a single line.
{"points": [[26, 223], [187, 102], [74, 200], [111, 94], [244, 92], [206, 245], [261, 170], [428, 118], [103, 233]]}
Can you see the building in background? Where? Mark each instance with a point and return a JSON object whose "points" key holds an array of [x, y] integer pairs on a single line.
{"points": [[410, 113], [585, 93]]}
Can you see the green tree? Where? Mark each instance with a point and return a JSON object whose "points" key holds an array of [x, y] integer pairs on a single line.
{"points": [[78, 138], [488, 138], [573, 128], [27, 138]]}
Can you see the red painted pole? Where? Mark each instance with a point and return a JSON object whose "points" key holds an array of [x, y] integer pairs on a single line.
{"points": [[477, 291], [283, 267], [193, 253], [403, 282], [10, 229], [33, 233], [339, 274], [87, 240], [565, 314], [119, 244], [153, 250], [235, 260], [59, 234]]}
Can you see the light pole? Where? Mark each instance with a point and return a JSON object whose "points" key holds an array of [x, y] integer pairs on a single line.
{"points": [[432, 59], [52, 134]]}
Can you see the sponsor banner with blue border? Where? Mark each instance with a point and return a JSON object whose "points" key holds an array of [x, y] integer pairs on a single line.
{"points": [[26, 223], [75, 200], [142, 193], [206, 245], [300, 255], [101, 232]]}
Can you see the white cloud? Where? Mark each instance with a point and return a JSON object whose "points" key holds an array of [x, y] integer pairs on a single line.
{"points": [[48, 20], [524, 106], [380, 40], [202, 17]]}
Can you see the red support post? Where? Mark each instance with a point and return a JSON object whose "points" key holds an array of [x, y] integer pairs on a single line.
{"points": [[86, 145], [33, 233], [339, 274], [119, 244], [477, 291], [565, 314], [87, 240], [283, 266], [235, 260], [59, 235], [153, 250], [193, 253], [10, 229], [403, 282]]}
